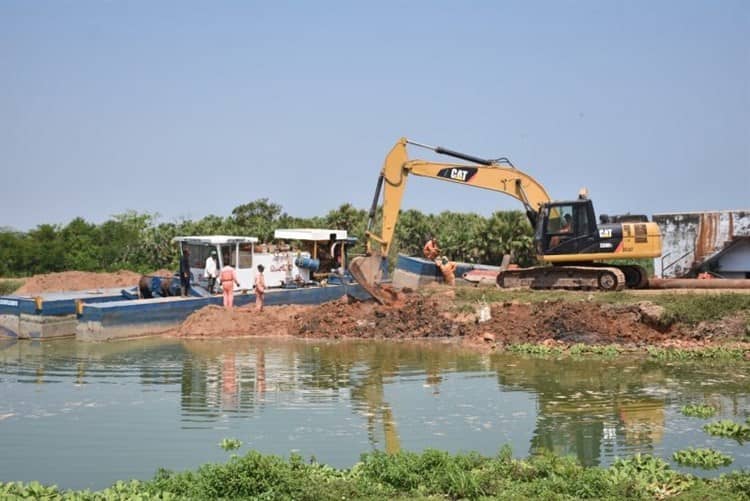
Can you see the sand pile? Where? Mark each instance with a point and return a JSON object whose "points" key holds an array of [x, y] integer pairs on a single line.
{"points": [[77, 281]]}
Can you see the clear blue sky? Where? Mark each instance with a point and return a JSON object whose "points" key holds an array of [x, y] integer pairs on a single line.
{"points": [[192, 108]]}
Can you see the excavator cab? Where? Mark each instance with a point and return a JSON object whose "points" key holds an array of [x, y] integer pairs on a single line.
{"points": [[567, 227]]}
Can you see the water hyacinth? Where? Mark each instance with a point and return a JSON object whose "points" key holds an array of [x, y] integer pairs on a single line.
{"points": [[698, 410], [701, 458], [728, 428]]}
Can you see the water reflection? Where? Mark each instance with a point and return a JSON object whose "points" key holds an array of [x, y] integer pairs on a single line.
{"points": [[336, 400]]}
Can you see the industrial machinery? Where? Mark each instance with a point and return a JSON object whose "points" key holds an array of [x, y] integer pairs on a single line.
{"points": [[566, 234]]}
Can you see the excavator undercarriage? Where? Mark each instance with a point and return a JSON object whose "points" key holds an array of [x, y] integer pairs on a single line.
{"points": [[563, 277], [593, 276]]}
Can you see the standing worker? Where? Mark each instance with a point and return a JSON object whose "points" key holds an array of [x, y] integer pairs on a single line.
{"points": [[210, 272], [185, 272], [228, 281], [431, 250], [260, 288]]}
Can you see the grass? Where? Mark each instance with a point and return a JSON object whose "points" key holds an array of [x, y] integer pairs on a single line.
{"points": [[431, 474], [9, 285], [685, 308]]}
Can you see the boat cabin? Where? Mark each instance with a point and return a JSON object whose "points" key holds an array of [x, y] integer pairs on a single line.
{"points": [[296, 258]]}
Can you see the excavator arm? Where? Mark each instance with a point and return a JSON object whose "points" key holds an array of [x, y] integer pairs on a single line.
{"points": [[491, 174], [496, 175]]}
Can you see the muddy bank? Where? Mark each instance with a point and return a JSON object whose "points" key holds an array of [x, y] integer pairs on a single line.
{"points": [[561, 323]]}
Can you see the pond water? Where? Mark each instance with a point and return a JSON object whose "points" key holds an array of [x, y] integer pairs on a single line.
{"points": [[83, 415]]}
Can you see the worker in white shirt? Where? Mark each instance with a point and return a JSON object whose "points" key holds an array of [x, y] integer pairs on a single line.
{"points": [[211, 272]]}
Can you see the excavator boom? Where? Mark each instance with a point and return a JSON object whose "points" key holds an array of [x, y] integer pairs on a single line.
{"points": [[496, 175]]}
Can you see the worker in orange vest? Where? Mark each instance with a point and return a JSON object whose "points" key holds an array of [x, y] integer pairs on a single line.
{"points": [[448, 269], [260, 288], [228, 280]]}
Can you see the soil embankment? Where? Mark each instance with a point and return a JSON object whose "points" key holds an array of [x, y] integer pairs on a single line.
{"points": [[556, 323], [437, 315]]}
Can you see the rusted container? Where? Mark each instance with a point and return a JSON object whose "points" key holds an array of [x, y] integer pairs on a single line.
{"points": [[693, 242]]}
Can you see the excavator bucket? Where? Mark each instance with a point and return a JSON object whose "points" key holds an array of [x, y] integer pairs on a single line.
{"points": [[368, 272]]}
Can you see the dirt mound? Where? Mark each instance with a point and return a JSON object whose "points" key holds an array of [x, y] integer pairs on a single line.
{"points": [[216, 321], [562, 323], [77, 280], [568, 323], [413, 318]]}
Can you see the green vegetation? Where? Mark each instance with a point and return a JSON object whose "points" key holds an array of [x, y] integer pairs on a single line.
{"points": [[540, 350], [683, 308], [9, 286], [701, 458], [608, 351], [430, 475], [139, 242], [230, 444], [728, 428], [535, 349], [715, 353], [698, 410], [694, 308]]}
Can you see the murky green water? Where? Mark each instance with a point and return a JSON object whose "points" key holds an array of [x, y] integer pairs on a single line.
{"points": [[84, 415]]}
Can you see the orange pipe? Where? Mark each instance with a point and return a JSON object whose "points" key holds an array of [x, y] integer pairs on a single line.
{"points": [[694, 283]]}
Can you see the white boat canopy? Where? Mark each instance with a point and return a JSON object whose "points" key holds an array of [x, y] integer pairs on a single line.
{"points": [[215, 240], [313, 234]]}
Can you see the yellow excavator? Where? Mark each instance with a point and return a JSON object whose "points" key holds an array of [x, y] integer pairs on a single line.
{"points": [[566, 233]]}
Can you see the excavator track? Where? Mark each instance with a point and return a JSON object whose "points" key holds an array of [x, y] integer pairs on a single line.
{"points": [[604, 278]]}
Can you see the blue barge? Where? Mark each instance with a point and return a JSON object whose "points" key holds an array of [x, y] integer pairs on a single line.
{"points": [[48, 315], [132, 318], [307, 267]]}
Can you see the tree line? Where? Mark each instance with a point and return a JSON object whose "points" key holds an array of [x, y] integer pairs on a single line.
{"points": [[139, 242]]}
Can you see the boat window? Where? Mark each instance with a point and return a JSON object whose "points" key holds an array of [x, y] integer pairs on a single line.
{"points": [[228, 255], [246, 255], [198, 255]]}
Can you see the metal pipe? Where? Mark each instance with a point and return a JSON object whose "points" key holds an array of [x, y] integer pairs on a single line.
{"points": [[697, 283], [451, 153], [375, 199]]}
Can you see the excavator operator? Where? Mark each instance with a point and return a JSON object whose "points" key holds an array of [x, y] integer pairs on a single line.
{"points": [[567, 227]]}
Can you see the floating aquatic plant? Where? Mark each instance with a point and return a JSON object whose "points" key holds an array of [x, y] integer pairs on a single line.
{"points": [[718, 353], [609, 350], [535, 349], [701, 458], [230, 444], [728, 428], [698, 410]]}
